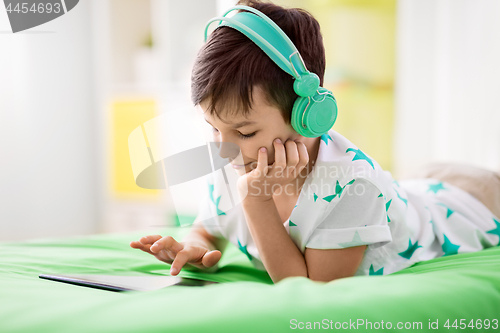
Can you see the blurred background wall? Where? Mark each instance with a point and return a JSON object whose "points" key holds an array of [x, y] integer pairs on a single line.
{"points": [[446, 81], [48, 128], [415, 80]]}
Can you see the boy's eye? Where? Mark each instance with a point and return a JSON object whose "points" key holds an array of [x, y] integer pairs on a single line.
{"points": [[246, 136], [243, 136]]}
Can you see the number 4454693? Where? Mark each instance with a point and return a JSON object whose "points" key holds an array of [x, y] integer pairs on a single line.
{"points": [[35, 8], [477, 324]]}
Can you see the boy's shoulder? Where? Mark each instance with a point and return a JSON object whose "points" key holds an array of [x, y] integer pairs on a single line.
{"points": [[335, 148], [341, 161]]}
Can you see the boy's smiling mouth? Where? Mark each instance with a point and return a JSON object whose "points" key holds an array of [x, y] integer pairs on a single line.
{"points": [[238, 166]]}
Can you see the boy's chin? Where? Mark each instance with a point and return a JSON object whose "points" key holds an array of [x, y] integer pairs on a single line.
{"points": [[243, 171], [247, 169]]}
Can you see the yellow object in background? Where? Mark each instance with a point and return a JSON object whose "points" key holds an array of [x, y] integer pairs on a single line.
{"points": [[359, 38], [126, 115]]}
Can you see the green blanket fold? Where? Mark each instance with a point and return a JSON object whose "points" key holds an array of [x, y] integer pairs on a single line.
{"points": [[451, 288]]}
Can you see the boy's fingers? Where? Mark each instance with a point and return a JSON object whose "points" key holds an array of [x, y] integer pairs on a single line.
{"points": [[149, 239], [166, 243], [262, 161], [303, 156], [180, 260], [211, 258], [175, 254], [279, 152], [292, 154], [140, 246], [135, 244]]}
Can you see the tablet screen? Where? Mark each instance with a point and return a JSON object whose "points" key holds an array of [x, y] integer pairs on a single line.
{"points": [[125, 283]]}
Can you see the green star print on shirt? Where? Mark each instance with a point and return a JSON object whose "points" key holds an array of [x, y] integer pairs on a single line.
{"points": [[401, 222]]}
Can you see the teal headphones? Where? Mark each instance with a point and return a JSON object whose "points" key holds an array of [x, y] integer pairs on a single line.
{"points": [[315, 110]]}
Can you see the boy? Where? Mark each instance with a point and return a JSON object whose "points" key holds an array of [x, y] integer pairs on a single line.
{"points": [[316, 207]]}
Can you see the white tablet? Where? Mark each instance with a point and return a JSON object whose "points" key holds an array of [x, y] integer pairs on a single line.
{"points": [[125, 283]]}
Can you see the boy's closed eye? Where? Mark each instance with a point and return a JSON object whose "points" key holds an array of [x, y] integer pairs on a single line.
{"points": [[241, 135], [246, 136]]}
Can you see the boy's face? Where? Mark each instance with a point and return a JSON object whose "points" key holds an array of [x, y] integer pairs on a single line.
{"points": [[263, 124]]}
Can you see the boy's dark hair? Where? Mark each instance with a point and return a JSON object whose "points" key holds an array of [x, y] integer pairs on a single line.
{"points": [[229, 65]]}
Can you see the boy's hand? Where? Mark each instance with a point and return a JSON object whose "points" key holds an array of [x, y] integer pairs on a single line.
{"points": [[177, 254], [264, 180]]}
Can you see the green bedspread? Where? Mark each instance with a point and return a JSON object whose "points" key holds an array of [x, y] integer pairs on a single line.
{"points": [[461, 287]]}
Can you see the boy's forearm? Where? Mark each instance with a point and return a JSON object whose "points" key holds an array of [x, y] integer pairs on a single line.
{"points": [[278, 252]]}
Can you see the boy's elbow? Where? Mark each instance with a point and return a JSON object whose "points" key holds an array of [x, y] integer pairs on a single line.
{"points": [[278, 278], [320, 278]]}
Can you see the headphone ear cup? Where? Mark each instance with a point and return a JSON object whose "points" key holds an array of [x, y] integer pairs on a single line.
{"points": [[299, 106], [315, 115]]}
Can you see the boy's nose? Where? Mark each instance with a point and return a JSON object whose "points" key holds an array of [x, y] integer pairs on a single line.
{"points": [[229, 150], [222, 152]]}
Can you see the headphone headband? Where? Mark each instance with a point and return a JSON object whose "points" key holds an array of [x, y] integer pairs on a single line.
{"points": [[267, 35]]}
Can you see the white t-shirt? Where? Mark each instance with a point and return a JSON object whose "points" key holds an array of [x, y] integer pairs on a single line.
{"points": [[349, 200]]}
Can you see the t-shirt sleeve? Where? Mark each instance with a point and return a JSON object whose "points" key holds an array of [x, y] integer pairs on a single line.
{"points": [[358, 218]]}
